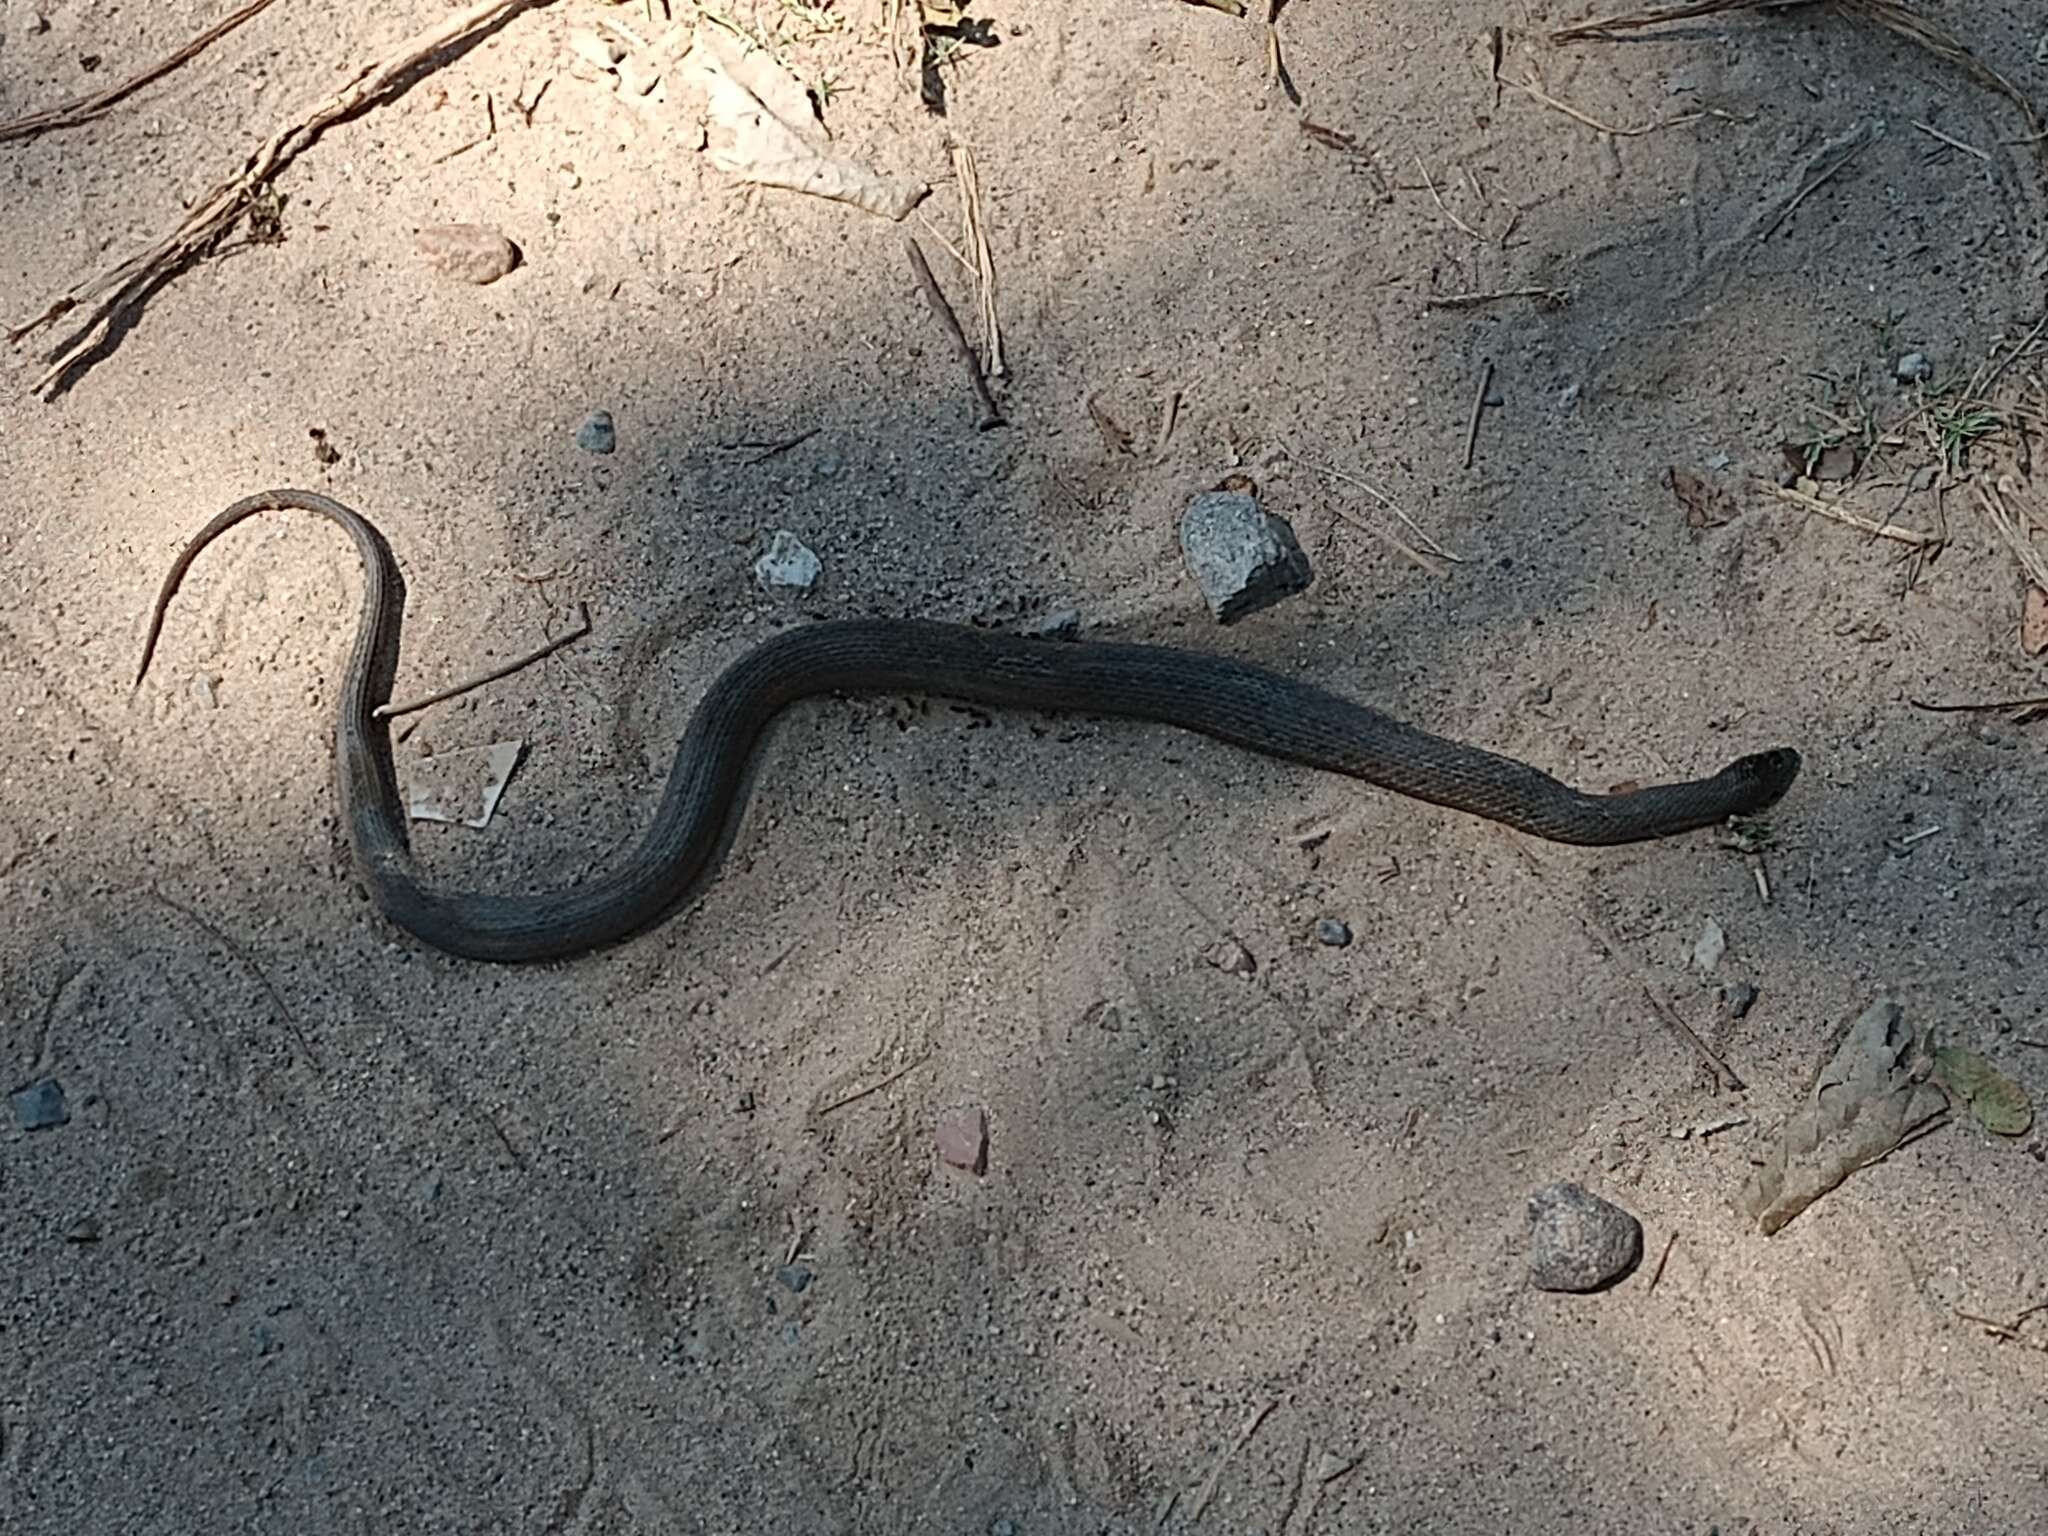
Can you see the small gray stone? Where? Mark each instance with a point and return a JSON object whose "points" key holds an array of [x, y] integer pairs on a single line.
{"points": [[1242, 557], [1231, 957], [82, 1229], [1737, 998], [788, 563], [1333, 932], [40, 1105], [794, 1276], [1579, 1242], [597, 434], [1060, 624], [963, 1139], [1712, 945], [1914, 368], [468, 253]]}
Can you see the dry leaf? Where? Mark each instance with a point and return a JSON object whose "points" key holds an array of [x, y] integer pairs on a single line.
{"points": [[1868, 1098], [762, 128], [460, 786], [1706, 506], [2034, 622], [1999, 1103]]}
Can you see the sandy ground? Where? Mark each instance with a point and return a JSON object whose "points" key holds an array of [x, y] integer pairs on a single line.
{"points": [[345, 1235]]}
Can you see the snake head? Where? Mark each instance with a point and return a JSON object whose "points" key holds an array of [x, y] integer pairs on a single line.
{"points": [[1763, 777]]}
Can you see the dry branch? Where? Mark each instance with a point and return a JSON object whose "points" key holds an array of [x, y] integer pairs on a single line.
{"points": [[85, 108], [119, 292]]}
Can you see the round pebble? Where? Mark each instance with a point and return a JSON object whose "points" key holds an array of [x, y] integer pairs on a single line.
{"points": [[597, 434], [1332, 932], [1579, 1242]]}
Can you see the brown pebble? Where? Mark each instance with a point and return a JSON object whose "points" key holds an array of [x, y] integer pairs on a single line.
{"points": [[963, 1139], [469, 253]]}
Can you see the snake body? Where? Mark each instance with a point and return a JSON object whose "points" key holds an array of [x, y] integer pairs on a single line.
{"points": [[1229, 700]]}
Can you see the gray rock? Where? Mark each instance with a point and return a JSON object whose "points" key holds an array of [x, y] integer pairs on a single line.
{"points": [[1333, 932], [468, 253], [1712, 945], [1915, 368], [1242, 557], [597, 434], [788, 563], [40, 1105], [1060, 624], [963, 1139], [1737, 998], [794, 1276], [82, 1229], [1579, 1242]]}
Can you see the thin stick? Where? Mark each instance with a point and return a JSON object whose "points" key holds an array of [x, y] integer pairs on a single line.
{"points": [[1603, 31], [1850, 153], [1392, 539], [392, 711], [1935, 133], [1529, 88], [121, 290], [1435, 197], [874, 1088], [72, 113], [1987, 707], [255, 970], [1685, 1031], [1663, 1258], [1478, 405], [1991, 501], [1495, 296], [1244, 1438], [1429, 542], [936, 298], [776, 450], [1169, 417], [1849, 518]]}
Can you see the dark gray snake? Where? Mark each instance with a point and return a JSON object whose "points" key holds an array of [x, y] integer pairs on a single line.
{"points": [[1232, 701]]}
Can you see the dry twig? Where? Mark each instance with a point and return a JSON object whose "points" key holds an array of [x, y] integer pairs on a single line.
{"points": [[935, 296], [1437, 198], [118, 293], [1478, 406], [974, 236], [1663, 1258], [1546, 298], [1530, 89], [72, 113], [874, 1088], [2013, 526], [1244, 1438], [456, 690], [1850, 517]]}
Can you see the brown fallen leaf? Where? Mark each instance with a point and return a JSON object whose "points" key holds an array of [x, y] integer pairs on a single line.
{"points": [[1706, 505], [2034, 622], [1871, 1094]]}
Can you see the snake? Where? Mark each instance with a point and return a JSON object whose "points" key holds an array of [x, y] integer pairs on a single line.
{"points": [[1232, 701]]}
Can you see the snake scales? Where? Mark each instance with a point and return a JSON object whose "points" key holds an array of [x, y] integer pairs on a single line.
{"points": [[1226, 699]]}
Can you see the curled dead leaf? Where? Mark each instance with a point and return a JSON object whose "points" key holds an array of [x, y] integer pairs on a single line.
{"points": [[1706, 505]]}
